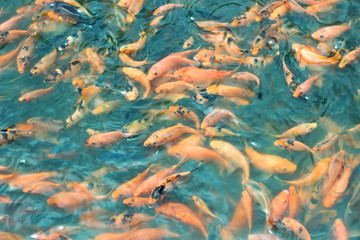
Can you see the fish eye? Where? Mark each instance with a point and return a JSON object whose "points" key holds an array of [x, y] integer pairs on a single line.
{"points": [[321, 36], [205, 55], [155, 73], [93, 143]]}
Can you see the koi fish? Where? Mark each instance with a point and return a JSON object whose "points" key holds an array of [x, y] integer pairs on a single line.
{"points": [[216, 132], [115, 236], [107, 139], [330, 33], [238, 220], [71, 42], [5, 178], [42, 187], [131, 48], [256, 62], [26, 52], [95, 60], [306, 56], [200, 154], [260, 40], [329, 141], [303, 88], [45, 63], [289, 76], [133, 9], [127, 60], [203, 207], [130, 92], [136, 202], [290, 224], [293, 145], [316, 174], [106, 107], [278, 206], [336, 165], [246, 76], [156, 20], [269, 163], [161, 190], [322, 6], [151, 234], [127, 189], [6, 58], [12, 35], [265, 12], [298, 130], [124, 3], [294, 202], [349, 57], [29, 96], [68, 11], [188, 43], [339, 230], [80, 112], [24, 181], [246, 18], [66, 71], [183, 112], [164, 8], [140, 77], [126, 220], [233, 155], [211, 25], [230, 91], [167, 64], [217, 115], [175, 87], [165, 135], [182, 213]]}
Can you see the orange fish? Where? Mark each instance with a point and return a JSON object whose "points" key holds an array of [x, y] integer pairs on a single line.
{"points": [[269, 163], [303, 88], [11, 23], [188, 43], [131, 48], [182, 213], [127, 189], [107, 139], [216, 132], [265, 12], [12, 35], [136, 202], [204, 55], [127, 60], [260, 40], [24, 181], [95, 60], [6, 168], [279, 12], [10, 236], [289, 76], [247, 202], [26, 52], [164, 8], [232, 154], [126, 220], [5, 199], [29, 96], [330, 33], [322, 6], [133, 9], [298, 130], [339, 230], [349, 57], [316, 174], [165, 135], [66, 71], [124, 3], [230, 91], [279, 206], [294, 202], [42, 187], [246, 76], [306, 56], [156, 20], [239, 218], [211, 25], [45, 63], [6, 58], [149, 184], [293, 145], [140, 77], [115, 236], [290, 224], [183, 112], [329, 141], [130, 92], [80, 111], [106, 107], [151, 234], [201, 77], [217, 115], [175, 87], [246, 18]]}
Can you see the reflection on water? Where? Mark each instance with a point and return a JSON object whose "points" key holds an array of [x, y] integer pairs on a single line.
{"points": [[237, 83]]}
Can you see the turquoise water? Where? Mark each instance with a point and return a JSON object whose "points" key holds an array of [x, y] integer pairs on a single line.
{"points": [[272, 111]]}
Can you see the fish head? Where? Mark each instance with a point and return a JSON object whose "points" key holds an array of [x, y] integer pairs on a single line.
{"points": [[204, 55], [239, 21], [320, 35], [298, 92], [296, 47], [24, 99], [94, 142], [154, 72], [281, 143]]}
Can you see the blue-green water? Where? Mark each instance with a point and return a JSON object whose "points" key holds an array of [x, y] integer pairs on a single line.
{"points": [[272, 111]]}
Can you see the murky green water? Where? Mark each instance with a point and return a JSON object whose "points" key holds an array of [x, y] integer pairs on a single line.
{"points": [[272, 111]]}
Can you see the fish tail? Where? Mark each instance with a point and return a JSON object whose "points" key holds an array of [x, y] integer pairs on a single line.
{"points": [[197, 168]]}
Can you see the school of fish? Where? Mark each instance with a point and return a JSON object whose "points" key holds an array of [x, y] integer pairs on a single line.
{"points": [[188, 118]]}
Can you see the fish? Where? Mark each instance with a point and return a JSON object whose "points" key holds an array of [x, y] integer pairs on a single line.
{"points": [[151, 234], [95, 60], [165, 135], [66, 71], [6, 178], [131, 48], [306, 56], [106, 107], [211, 25], [303, 88], [200, 153], [164, 8], [138, 126], [80, 111], [7, 58], [290, 144], [314, 176], [294, 227], [238, 220], [156, 20], [24, 181], [246, 76], [10, 236], [165, 186], [269, 163], [107, 138], [181, 213], [124, 3], [262, 236], [140, 77], [233, 155], [44, 63], [133, 9], [279, 206], [130, 92], [126, 220], [68, 11], [188, 43], [217, 115], [136, 202], [298, 130], [247, 202], [328, 142], [26, 52], [290, 78], [175, 87], [115, 236], [12, 35], [294, 6], [230, 91], [5, 199], [349, 57], [30, 96], [42, 187], [216, 132], [330, 33], [203, 207], [146, 186], [71, 42], [322, 6], [183, 112], [265, 12], [127, 60], [260, 40], [339, 230], [247, 18]]}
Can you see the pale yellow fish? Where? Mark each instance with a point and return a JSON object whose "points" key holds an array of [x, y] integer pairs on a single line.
{"points": [[203, 207]]}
